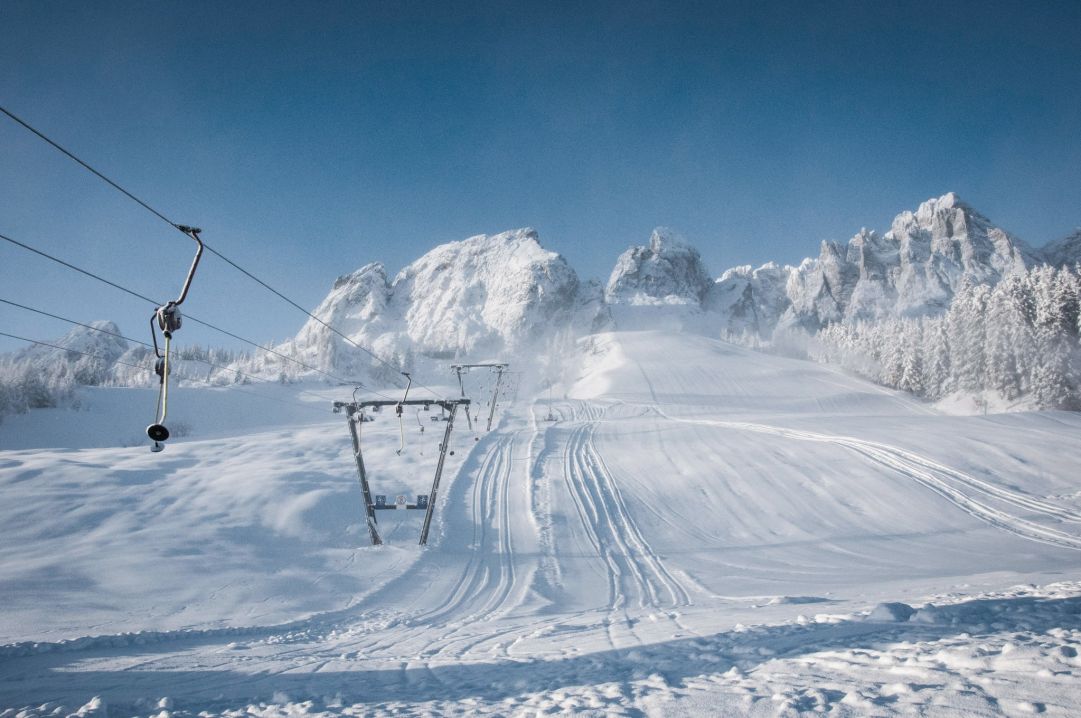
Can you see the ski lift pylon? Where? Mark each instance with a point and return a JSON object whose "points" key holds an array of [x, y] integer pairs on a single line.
{"points": [[355, 413], [499, 368]]}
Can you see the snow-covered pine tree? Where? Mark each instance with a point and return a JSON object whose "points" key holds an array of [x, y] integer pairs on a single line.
{"points": [[912, 364], [893, 353], [936, 352], [966, 337], [1054, 384], [1006, 329]]}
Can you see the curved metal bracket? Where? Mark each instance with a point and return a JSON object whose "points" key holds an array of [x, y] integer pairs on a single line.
{"points": [[192, 232]]}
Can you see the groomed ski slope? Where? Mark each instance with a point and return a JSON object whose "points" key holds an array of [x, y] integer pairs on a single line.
{"points": [[702, 531]]}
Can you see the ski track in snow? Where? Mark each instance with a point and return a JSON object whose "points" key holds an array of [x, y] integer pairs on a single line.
{"points": [[943, 480], [635, 574], [542, 592]]}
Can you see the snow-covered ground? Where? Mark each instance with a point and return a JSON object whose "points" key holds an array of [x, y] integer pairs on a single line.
{"points": [[703, 530]]}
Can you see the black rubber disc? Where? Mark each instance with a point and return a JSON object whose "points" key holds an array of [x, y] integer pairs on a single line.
{"points": [[157, 432]]}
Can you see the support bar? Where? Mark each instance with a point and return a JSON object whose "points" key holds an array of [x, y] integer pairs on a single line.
{"points": [[353, 418], [495, 395], [438, 474]]}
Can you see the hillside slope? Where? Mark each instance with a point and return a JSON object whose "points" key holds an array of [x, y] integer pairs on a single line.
{"points": [[695, 536]]}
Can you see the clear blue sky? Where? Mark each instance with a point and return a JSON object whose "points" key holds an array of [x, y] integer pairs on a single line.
{"points": [[310, 138]]}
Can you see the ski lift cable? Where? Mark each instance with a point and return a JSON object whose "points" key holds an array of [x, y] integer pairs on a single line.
{"points": [[146, 367], [80, 324], [134, 341], [155, 303], [77, 269], [87, 167], [147, 299], [184, 230], [75, 351]]}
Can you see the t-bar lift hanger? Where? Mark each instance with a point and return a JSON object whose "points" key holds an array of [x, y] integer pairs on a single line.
{"points": [[499, 367], [168, 319], [354, 417]]}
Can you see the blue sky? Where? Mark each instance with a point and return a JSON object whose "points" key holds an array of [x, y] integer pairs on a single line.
{"points": [[308, 139]]}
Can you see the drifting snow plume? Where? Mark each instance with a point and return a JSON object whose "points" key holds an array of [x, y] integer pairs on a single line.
{"points": [[668, 271]]}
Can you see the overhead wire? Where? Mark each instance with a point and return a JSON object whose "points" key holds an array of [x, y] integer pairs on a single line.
{"points": [[149, 368], [147, 299], [189, 316], [87, 167], [72, 321], [76, 351], [208, 247], [78, 269], [135, 341]]}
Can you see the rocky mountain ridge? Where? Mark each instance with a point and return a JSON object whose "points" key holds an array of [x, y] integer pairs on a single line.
{"points": [[497, 294], [505, 295]]}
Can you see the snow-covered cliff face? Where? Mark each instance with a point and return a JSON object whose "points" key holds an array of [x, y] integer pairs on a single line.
{"points": [[667, 272], [912, 270], [357, 307], [477, 297], [750, 300], [487, 292]]}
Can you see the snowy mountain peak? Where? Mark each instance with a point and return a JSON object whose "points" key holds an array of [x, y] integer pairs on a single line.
{"points": [[667, 272], [103, 338], [484, 293], [361, 275], [664, 238], [479, 296], [913, 269], [948, 201], [1063, 252], [355, 298]]}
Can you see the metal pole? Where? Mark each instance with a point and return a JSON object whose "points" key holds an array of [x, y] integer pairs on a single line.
{"points": [[438, 473], [369, 510], [495, 397], [468, 418]]}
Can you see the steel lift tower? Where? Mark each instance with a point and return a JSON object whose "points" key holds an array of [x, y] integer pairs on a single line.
{"points": [[499, 367], [354, 412]]}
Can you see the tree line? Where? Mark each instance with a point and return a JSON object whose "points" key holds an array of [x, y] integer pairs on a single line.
{"points": [[1018, 338]]}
